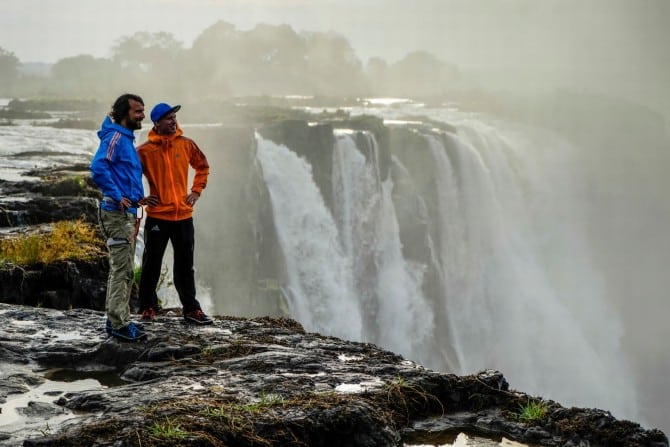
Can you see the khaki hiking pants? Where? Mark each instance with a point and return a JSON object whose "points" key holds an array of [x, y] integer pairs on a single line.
{"points": [[119, 229]]}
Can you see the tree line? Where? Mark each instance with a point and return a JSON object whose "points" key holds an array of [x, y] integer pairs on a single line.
{"points": [[225, 62]]}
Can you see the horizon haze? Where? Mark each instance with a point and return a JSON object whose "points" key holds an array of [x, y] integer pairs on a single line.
{"points": [[614, 47]]}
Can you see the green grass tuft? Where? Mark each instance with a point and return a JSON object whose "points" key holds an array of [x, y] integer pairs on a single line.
{"points": [[167, 430], [534, 410]]}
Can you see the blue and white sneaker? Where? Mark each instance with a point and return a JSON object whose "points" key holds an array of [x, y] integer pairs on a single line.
{"points": [[108, 327], [130, 332]]}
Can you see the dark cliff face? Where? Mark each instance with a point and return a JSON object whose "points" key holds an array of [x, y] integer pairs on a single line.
{"points": [[57, 285], [260, 382]]}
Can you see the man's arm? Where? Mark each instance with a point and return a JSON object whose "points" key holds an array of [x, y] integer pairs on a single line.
{"points": [[199, 163], [101, 172]]}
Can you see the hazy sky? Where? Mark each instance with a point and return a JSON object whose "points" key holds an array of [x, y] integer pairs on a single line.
{"points": [[46, 30], [623, 43], [551, 32]]}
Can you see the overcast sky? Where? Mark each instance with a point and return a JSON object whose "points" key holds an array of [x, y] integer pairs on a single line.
{"points": [[470, 31], [47, 30], [623, 42]]}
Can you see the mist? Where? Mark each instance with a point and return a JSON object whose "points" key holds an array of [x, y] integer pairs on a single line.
{"points": [[611, 47], [593, 72]]}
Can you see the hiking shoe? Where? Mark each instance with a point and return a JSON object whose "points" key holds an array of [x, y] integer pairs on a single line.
{"points": [[198, 317], [109, 328], [129, 333], [148, 315]]}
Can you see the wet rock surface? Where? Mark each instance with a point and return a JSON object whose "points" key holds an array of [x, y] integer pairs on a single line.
{"points": [[259, 382], [64, 193]]}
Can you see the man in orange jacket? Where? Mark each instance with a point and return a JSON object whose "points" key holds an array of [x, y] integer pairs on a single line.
{"points": [[166, 157]]}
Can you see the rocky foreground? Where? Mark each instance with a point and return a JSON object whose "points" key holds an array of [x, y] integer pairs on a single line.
{"points": [[262, 382]]}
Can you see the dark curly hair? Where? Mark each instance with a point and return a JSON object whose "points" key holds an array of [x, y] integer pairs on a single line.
{"points": [[121, 106]]}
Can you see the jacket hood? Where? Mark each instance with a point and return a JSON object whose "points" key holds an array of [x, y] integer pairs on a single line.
{"points": [[109, 126], [156, 138]]}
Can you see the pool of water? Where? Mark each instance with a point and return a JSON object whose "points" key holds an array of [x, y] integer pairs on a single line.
{"points": [[34, 411], [463, 440]]}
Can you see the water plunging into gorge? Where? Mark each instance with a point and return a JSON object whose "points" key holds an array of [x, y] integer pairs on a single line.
{"points": [[468, 254]]}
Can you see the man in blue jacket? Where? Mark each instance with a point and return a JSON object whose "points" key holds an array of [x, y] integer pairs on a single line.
{"points": [[117, 171]]}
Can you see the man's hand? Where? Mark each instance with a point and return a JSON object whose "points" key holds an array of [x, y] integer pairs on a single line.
{"points": [[151, 200], [192, 198], [125, 203]]}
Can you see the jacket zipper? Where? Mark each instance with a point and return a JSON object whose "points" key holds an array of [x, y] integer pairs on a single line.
{"points": [[172, 184]]}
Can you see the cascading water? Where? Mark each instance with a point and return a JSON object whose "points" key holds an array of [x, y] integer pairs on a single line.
{"points": [[319, 282], [514, 289], [509, 257], [388, 286], [346, 275]]}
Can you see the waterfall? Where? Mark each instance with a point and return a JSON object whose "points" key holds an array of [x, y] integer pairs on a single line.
{"points": [[521, 291], [346, 274], [509, 282], [319, 282], [388, 286]]}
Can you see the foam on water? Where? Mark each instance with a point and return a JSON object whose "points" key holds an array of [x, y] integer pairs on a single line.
{"points": [[24, 147]]}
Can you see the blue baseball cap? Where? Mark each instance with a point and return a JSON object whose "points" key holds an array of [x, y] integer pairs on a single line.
{"points": [[161, 109]]}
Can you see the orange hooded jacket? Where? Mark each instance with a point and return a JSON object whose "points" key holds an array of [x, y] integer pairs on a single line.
{"points": [[165, 161]]}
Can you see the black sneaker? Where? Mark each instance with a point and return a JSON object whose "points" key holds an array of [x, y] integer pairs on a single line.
{"points": [[198, 317], [129, 333]]}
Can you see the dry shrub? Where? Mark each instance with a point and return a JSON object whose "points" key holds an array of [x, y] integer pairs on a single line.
{"points": [[66, 240]]}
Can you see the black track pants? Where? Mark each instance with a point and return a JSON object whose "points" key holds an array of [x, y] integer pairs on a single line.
{"points": [[157, 233]]}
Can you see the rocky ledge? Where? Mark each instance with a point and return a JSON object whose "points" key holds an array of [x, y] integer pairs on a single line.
{"points": [[63, 193], [30, 208], [259, 382]]}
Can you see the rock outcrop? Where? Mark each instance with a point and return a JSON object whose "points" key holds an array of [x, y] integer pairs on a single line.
{"points": [[30, 208], [65, 193], [260, 382]]}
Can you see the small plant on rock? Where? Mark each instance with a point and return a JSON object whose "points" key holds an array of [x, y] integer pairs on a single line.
{"points": [[409, 398], [167, 430], [534, 410], [266, 400]]}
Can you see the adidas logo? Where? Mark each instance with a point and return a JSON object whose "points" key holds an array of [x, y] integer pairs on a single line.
{"points": [[155, 228]]}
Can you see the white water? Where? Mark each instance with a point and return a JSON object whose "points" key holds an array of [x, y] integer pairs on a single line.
{"points": [[25, 147], [388, 287], [320, 283], [520, 292]]}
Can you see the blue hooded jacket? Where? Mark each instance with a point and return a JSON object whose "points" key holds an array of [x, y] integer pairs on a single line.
{"points": [[116, 168]]}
